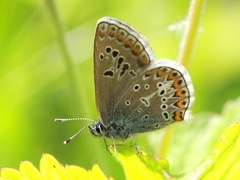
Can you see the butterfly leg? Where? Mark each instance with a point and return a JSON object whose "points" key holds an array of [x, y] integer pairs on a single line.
{"points": [[134, 143], [105, 141], [114, 145]]}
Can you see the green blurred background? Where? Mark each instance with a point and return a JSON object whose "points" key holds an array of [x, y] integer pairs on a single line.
{"points": [[35, 88]]}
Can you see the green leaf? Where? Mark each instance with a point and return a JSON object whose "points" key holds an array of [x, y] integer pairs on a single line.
{"points": [[189, 144], [224, 162], [141, 166]]}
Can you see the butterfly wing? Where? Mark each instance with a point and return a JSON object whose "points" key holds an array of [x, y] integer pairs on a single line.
{"points": [[162, 94], [120, 55]]}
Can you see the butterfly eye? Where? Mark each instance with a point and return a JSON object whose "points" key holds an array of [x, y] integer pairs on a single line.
{"points": [[98, 129]]}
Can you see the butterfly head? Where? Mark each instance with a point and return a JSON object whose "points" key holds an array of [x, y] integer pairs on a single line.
{"points": [[96, 129]]}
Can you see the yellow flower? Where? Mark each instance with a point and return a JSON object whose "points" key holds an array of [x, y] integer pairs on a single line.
{"points": [[50, 169]]}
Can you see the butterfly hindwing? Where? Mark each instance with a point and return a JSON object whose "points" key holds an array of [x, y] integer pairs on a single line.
{"points": [[159, 96]]}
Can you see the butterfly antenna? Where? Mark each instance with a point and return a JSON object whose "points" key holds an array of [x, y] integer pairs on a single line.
{"points": [[73, 136], [74, 119]]}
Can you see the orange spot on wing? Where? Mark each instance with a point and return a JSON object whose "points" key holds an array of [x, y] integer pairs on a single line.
{"points": [[179, 93], [181, 103], [101, 34], [161, 73], [136, 51], [120, 38], [143, 59], [171, 76], [176, 85], [177, 116], [149, 73], [112, 33], [129, 43]]}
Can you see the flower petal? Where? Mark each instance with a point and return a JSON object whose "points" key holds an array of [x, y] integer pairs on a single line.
{"points": [[96, 173], [76, 172], [29, 171], [9, 173], [51, 169]]}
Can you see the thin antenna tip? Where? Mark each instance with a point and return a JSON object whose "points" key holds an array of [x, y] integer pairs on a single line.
{"points": [[67, 141], [58, 120]]}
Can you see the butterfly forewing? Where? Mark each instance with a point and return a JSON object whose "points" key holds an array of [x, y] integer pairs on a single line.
{"points": [[120, 56]]}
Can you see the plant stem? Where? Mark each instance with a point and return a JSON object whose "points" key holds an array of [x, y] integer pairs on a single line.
{"points": [[190, 35], [186, 51], [70, 68]]}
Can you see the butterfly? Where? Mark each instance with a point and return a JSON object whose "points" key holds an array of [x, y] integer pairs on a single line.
{"points": [[135, 92]]}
